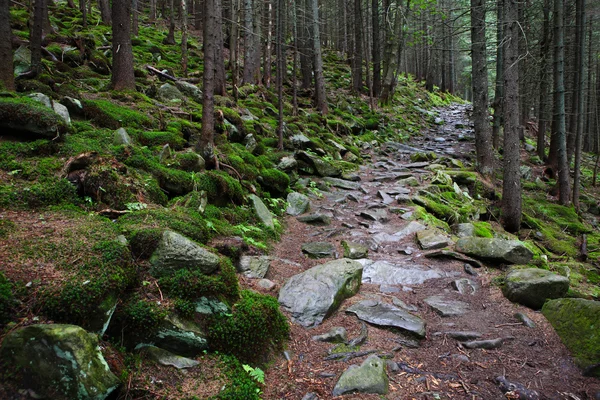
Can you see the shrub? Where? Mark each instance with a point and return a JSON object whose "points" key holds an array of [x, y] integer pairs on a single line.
{"points": [[255, 325], [7, 299]]}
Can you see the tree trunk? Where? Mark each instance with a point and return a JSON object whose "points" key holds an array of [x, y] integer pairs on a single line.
{"points": [[205, 144], [320, 95], [392, 52], [295, 61], [35, 36], [499, 90], [580, 94], [252, 24], [511, 188], [357, 81], [280, 69], [559, 105], [544, 54], [198, 16], [135, 19], [152, 15], [234, 46], [184, 37], [122, 73], [7, 76], [305, 45], [170, 39], [376, 48], [83, 9], [105, 12], [219, 57], [268, 59], [483, 132]]}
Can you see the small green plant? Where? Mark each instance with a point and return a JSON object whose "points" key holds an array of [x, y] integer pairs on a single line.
{"points": [[255, 373], [136, 206], [7, 299]]}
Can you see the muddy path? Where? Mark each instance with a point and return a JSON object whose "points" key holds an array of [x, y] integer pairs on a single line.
{"points": [[398, 273]]}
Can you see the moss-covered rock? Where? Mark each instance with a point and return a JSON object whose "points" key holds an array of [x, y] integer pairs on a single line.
{"points": [[495, 250], [533, 286], [577, 322], [58, 362], [30, 119]]}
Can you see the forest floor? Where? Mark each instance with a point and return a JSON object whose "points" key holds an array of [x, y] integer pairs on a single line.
{"points": [[440, 367]]}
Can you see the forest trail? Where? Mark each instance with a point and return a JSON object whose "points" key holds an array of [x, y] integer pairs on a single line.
{"points": [[398, 275]]}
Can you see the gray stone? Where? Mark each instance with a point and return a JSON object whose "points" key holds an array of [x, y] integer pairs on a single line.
{"points": [[465, 286], [62, 111], [313, 295], [401, 304], [254, 266], [389, 289], [337, 334], [342, 183], [100, 318], [388, 316], [463, 336], [266, 284], [41, 98], [378, 214], [412, 181], [287, 164], [73, 105], [300, 142], [298, 203], [250, 142], [262, 211], [351, 176], [382, 272], [447, 307], [310, 396], [208, 306], [354, 250], [369, 377], [164, 357], [533, 286], [495, 250], [431, 239], [22, 60], [120, 136], [175, 252], [169, 93], [315, 219], [180, 336], [190, 90], [318, 249], [464, 230], [485, 344], [57, 362], [469, 270], [525, 320], [322, 167], [386, 198]]}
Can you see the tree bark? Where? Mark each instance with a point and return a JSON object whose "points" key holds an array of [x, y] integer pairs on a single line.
{"points": [[499, 90], [511, 188], [184, 37], [35, 36], [320, 95], [205, 144], [7, 76], [305, 45], [170, 39], [135, 18], [376, 50], [580, 94], [280, 69], [122, 73], [83, 9], [357, 81], [219, 57], [544, 54], [252, 25], [560, 135], [105, 12], [483, 132]]}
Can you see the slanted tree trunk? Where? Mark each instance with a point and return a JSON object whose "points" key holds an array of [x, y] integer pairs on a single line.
{"points": [[184, 37], [483, 132], [543, 104], [320, 95], [560, 135], [122, 73], [580, 94], [7, 76], [170, 39], [105, 12], [499, 89], [205, 144], [511, 188]]}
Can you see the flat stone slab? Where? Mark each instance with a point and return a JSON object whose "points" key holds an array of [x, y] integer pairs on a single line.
{"points": [[337, 334], [315, 219], [533, 286], [369, 377], [382, 272], [410, 229], [318, 249], [314, 294], [254, 266], [298, 203], [167, 358], [431, 239], [465, 286], [342, 183], [447, 307], [354, 250], [388, 316], [495, 250], [378, 214]]}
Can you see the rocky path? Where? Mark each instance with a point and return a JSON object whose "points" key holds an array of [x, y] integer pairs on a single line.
{"points": [[438, 328]]}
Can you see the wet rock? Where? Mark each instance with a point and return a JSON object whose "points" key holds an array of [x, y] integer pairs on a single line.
{"points": [[337, 334], [315, 219], [175, 252], [401, 304], [165, 357], [254, 266], [403, 198], [121, 137], [313, 295], [421, 164], [318, 249], [463, 336], [386, 198], [297, 203], [57, 362], [382, 272], [389, 289], [486, 344], [525, 320], [379, 215], [576, 321], [62, 111], [516, 390], [447, 307], [354, 250], [431, 239], [342, 183], [388, 316], [533, 286], [464, 230], [262, 211], [410, 229], [169, 93], [250, 142], [495, 250], [206, 306], [180, 336], [41, 98], [73, 105], [369, 377], [464, 286]]}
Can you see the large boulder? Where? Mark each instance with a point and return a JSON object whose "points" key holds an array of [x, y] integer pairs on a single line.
{"points": [[321, 167], [495, 250], [30, 119], [169, 93], [57, 362], [190, 90], [577, 322], [388, 316], [369, 377], [175, 252], [262, 212], [298, 203], [313, 295], [533, 286]]}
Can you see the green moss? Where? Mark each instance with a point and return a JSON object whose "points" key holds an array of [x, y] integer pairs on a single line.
{"points": [[565, 218], [553, 238], [255, 327], [241, 385], [6, 228], [24, 115], [7, 300], [275, 181], [221, 188], [483, 229], [142, 317], [107, 114], [46, 192], [421, 213], [155, 138]]}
